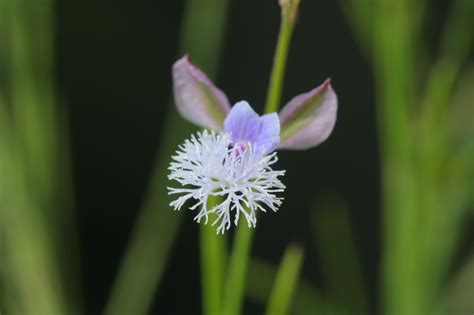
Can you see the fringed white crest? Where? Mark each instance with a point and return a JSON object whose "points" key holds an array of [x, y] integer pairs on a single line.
{"points": [[209, 165]]}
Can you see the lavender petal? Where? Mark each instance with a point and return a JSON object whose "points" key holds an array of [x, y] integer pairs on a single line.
{"points": [[246, 126]]}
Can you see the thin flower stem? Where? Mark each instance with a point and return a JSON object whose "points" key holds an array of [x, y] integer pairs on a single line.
{"points": [[237, 271], [213, 256], [239, 259], [289, 12]]}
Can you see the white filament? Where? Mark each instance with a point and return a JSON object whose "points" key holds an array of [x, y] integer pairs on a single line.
{"points": [[208, 165]]}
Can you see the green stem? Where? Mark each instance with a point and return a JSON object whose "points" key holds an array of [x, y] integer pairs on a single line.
{"points": [[341, 270], [213, 256], [237, 272], [395, 68], [289, 9], [239, 259]]}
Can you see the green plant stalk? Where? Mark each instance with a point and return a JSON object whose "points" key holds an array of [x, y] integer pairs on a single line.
{"points": [[286, 281], [239, 258], [399, 179], [341, 268], [157, 225], [237, 271], [440, 230], [287, 24], [213, 257]]}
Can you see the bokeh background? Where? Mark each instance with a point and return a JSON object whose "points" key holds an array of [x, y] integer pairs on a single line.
{"points": [[109, 64]]}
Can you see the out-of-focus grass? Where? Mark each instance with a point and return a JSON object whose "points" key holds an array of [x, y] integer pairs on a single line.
{"points": [[306, 299], [339, 258], [285, 282], [157, 226], [458, 295], [37, 226], [425, 174]]}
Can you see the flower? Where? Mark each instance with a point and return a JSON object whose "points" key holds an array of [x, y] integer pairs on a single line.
{"points": [[234, 165], [210, 164], [233, 161]]}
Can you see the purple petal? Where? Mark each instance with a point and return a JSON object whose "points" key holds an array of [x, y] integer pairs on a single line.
{"points": [[269, 136], [309, 118], [245, 126], [197, 98]]}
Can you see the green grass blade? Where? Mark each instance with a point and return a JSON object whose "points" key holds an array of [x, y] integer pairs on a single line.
{"points": [[340, 262], [35, 155], [26, 244], [285, 282], [306, 299]]}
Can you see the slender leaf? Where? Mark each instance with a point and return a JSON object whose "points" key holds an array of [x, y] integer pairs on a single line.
{"points": [[285, 282]]}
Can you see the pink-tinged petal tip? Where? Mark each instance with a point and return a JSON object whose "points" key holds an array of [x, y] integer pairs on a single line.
{"points": [[197, 98], [309, 118]]}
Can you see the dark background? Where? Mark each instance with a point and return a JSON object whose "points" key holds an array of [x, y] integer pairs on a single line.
{"points": [[113, 70]]}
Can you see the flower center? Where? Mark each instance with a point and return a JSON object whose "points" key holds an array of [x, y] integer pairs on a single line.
{"points": [[240, 147]]}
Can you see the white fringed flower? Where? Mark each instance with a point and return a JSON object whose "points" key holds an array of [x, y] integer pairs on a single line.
{"points": [[235, 165], [210, 165]]}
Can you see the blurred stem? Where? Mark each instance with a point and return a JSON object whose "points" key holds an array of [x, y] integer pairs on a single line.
{"points": [[341, 269], [239, 259], [27, 248], [213, 256], [395, 70], [289, 11], [306, 298], [285, 282], [44, 274], [157, 225], [455, 49], [360, 14], [435, 147], [421, 218], [237, 271]]}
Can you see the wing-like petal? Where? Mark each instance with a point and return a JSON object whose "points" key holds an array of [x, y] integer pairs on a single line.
{"points": [[197, 98], [309, 118]]}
